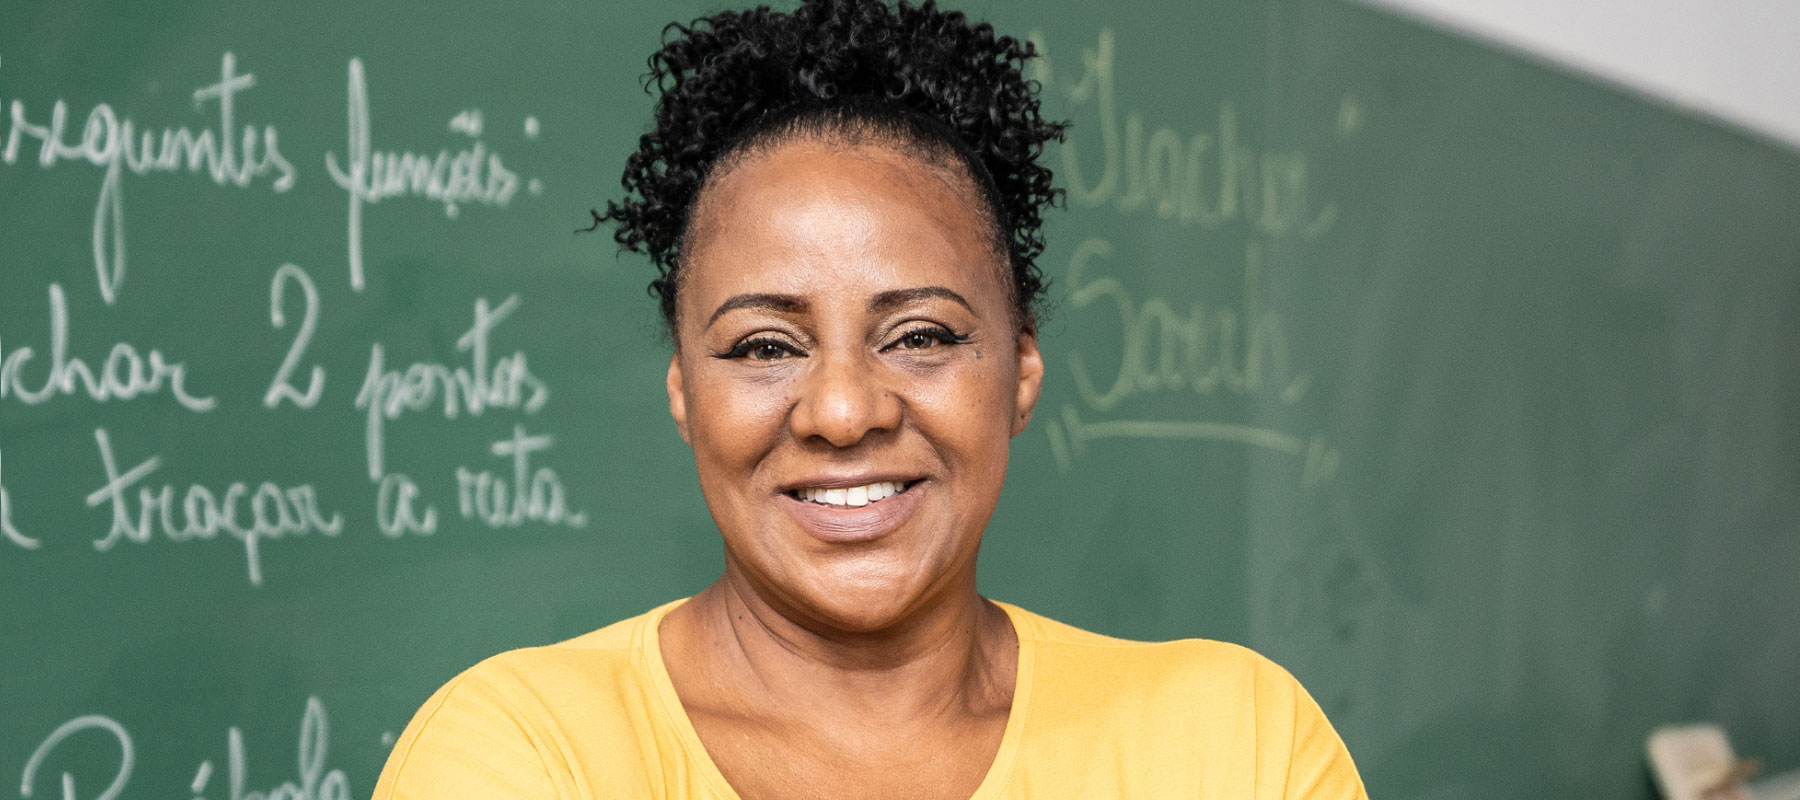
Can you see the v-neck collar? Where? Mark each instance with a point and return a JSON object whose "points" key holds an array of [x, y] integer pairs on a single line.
{"points": [[650, 649]]}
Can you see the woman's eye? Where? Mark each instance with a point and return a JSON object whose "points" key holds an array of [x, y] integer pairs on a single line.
{"points": [[767, 351], [760, 349], [927, 338]]}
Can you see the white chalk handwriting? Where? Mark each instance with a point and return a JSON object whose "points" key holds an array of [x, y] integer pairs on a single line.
{"points": [[7, 530], [200, 514], [1192, 178], [116, 144], [282, 388], [1198, 351], [397, 508], [121, 774], [473, 389], [368, 176], [126, 374], [313, 781], [533, 495]]}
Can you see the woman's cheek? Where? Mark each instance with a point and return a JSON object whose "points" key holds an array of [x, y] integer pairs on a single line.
{"points": [[747, 395], [985, 389], [959, 411]]}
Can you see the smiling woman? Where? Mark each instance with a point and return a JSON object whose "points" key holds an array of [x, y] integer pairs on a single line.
{"points": [[844, 204]]}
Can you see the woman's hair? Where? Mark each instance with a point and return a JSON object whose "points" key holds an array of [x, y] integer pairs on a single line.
{"points": [[926, 80]]}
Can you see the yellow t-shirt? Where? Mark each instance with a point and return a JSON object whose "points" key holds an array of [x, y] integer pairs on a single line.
{"points": [[1092, 717]]}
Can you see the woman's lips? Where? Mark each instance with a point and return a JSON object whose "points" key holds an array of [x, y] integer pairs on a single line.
{"points": [[842, 524]]}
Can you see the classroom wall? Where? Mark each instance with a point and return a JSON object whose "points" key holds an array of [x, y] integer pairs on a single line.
{"points": [[1733, 59]]}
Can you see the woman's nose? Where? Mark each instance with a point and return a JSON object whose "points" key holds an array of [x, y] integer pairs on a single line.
{"points": [[842, 400]]}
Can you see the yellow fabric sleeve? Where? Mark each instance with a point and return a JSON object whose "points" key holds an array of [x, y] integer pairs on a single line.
{"points": [[464, 743]]}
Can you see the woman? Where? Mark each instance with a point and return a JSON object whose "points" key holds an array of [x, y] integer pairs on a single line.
{"points": [[844, 203]]}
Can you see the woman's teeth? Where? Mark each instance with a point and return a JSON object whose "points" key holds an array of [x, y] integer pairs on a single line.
{"points": [[853, 496]]}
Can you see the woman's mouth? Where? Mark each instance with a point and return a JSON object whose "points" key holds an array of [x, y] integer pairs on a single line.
{"points": [[853, 513], [854, 496]]}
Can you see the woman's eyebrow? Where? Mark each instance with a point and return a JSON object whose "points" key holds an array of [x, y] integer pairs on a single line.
{"points": [[779, 303], [895, 298]]}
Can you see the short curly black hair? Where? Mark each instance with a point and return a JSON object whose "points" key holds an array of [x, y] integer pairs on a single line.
{"points": [[917, 75]]}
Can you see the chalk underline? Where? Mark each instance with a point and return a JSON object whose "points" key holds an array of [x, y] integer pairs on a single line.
{"points": [[1168, 429]]}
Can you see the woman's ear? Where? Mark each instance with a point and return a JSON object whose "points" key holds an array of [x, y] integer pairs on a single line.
{"points": [[1031, 374], [677, 400]]}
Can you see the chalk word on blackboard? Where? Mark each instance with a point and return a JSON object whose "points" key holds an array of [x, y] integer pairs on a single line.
{"points": [[314, 781], [282, 387], [506, 383], [116, 144], [534, 495], [397, 511], [1198, 351], [7, 530], [28, 782], [273, 512], [370, 176], [126, 373], [1168, 172]]}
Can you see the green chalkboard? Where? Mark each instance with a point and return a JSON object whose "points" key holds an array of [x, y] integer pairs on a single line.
{"points": [[1463, 387]]}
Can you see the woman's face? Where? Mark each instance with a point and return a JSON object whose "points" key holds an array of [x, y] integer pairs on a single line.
{"points": [[849, 375]]}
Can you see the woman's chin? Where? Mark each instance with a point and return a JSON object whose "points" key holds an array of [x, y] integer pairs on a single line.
{"points": [[853, 588], [862, 604]]}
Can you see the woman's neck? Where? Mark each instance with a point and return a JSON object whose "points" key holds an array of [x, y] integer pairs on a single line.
{"points": [[955, 656]]}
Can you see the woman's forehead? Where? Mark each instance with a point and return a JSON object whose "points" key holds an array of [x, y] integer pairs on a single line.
{"points": [[878, 172], [865, 215]]}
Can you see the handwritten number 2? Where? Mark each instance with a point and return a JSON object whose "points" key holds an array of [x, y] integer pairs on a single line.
{"points": [[282, 387]]}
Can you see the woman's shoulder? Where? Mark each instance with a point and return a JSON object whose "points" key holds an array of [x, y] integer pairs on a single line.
{"points": [[510, 725], [1229, 713], [610, 660], [609, 653], [1085, 673], [1207, 661]]}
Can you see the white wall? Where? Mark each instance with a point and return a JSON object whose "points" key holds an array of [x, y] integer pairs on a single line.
{"points": [[1738, 60]]}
